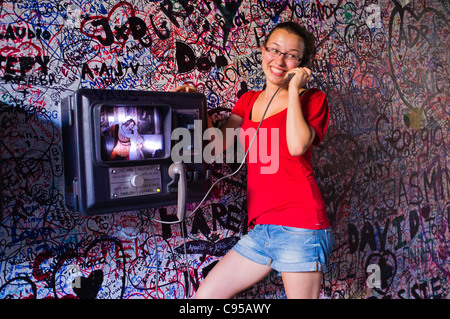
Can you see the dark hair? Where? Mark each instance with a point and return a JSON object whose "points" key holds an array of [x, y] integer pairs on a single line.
{"points": [[302, 32], [128, 122]]}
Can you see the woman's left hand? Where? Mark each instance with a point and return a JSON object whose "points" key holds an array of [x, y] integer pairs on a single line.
{"points": [[300, 79]]}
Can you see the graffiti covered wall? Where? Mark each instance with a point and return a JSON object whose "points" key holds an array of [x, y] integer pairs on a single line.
{"points": [[383, 168]]}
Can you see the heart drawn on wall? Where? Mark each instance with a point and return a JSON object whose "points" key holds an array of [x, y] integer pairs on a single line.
{"points": [[88, 288], [387, 262], [272, 8]]}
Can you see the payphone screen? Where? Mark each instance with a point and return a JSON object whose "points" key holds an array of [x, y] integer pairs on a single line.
{"points": [[131, 133]]}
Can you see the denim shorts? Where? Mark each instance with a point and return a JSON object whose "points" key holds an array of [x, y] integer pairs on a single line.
{"points": [[287, 249]]}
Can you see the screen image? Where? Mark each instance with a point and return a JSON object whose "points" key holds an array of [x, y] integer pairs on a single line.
{"points": [[131, 133]]}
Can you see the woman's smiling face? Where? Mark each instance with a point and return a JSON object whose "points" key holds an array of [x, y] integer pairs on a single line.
{"points": [[276, 67]]}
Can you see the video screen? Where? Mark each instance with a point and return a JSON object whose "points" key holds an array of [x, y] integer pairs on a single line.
{"points": [[131, 133]]}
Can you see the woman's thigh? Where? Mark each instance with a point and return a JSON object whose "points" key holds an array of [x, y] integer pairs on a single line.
{"points": [[302, 285], [231, 275]]}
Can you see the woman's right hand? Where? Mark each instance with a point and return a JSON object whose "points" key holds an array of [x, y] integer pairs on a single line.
{"points": [[185, 88]]}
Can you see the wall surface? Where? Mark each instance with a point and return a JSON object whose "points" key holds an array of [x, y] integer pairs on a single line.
{"points": [[383, 167]]}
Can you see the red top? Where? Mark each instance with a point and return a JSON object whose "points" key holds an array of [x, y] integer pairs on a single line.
{"points": [[281, 188]]}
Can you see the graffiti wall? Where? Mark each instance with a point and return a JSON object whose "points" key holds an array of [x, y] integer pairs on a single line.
{"points": [[383, 167]]}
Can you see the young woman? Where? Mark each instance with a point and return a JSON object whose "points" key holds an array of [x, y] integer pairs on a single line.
{"points": [[290, 231]]}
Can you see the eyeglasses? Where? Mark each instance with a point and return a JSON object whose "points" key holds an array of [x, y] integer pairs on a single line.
{"points": [[291, 57]]}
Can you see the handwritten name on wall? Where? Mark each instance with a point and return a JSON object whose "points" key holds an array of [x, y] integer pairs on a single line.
{"points": [[383, 167]]}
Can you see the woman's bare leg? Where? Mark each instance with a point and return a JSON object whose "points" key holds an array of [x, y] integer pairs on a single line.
{"points": [[231, 275], [302, 285]]}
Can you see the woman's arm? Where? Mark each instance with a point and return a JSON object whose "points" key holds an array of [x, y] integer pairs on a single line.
{"points": [[299, 134]]}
